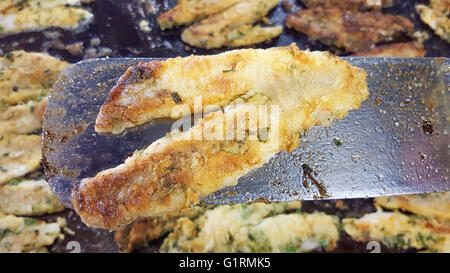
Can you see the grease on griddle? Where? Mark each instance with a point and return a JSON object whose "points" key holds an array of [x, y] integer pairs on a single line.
{"points": [[427, 127], [308, 172], [259, 200]]}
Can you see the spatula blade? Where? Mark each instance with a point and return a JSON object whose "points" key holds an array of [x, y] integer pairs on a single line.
{"points": [[396, 143]]}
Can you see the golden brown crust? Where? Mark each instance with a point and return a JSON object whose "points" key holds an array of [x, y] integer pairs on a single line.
{"points": [[437, 17], [434, 205], [21, 16], [145, 92], [347, 4], [409, 49], [27, 76], [351, 30], [144, 230], [311, 88]]}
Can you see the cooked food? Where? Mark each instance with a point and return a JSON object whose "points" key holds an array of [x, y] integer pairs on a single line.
{"points": [[351, 30], [144, 230], [254, 228], [432, 205], [32, 15], [437, 17], [408, 49], [27, 76], [348, 4], [395, 229], [28, 198], [20, 234], [233, 27], [151, 90], [23, 119], [189, 11], [19, 155], [304, 88]]}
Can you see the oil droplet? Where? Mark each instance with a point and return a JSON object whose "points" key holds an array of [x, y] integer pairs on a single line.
{"points": [[356, 158]]}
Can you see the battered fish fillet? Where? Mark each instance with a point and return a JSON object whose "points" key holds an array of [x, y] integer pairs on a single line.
{"points": [[395, 229], [19, 155], [348, 4], [27, 76], [32, 15], [437, 17], [23, 118], [188, 11], [351, 30], [298, 89], [28, 198], [144, 230], [20, 234], [408, 49], [151, 90], [233, 27], [433, 205], [254, 228]]}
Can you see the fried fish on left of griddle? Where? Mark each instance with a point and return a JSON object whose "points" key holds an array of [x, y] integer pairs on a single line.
{"points": [[347, 4], [188, 11], [305, 88], [351, 30], [409, 49]]}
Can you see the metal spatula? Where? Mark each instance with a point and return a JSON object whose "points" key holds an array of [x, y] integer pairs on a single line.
{"points": [[396, 143]]}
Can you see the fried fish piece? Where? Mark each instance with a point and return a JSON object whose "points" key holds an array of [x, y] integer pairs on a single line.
{"points": [[151, 90], [37, 15], [436, 16], [432, 205], [144, 230], [298, 90], [28, 198], [395, 229], [233, 27], [348, 4], [21, 234], [23, 118], [277, 227], [351, 30], [19, 155], [188, 11], [408, 49], [27, 76]]}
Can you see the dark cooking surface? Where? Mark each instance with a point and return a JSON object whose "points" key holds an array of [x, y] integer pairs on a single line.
{"points": [[116, 24]]}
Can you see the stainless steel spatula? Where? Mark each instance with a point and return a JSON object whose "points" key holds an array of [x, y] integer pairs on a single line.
{"points": [[396, 143]]}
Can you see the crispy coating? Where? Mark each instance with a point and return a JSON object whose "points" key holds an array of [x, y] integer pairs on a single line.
{"points": [[433, 205], [304, 88], [20, 234], [32, 15], [144, 230], [28, 198], [408, 49], [395, 229], [188, 11], [27, 76], [436, 16], [277, 227], [351, 30], [23, 118], [348, 4], [233, 27], [19, 155], [145, 91]]}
